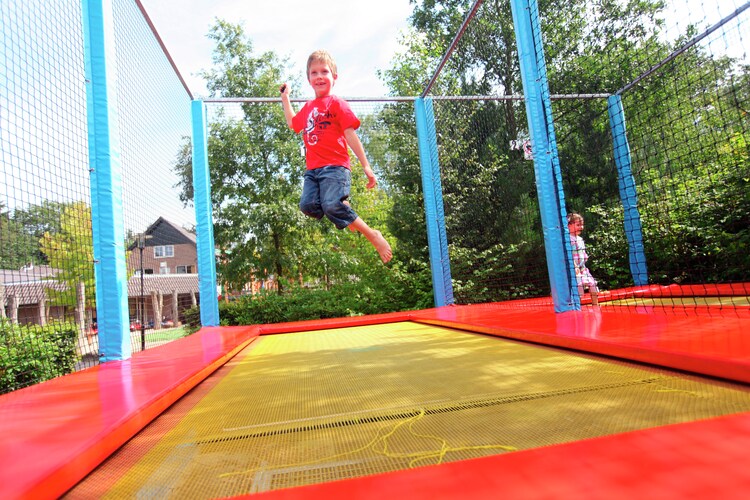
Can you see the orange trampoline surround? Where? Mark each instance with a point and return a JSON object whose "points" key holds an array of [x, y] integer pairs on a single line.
{"points": [[53, 434]]}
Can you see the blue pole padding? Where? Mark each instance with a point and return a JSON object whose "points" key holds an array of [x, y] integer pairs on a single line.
{"points": [[546, 169], [442, 286], [628, 192], [209, 299], [107, 224], [557, 204]]}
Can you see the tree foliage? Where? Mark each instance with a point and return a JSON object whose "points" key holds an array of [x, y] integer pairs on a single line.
{"points": [[685, 124], [21, 231], [256, 178], [70, 250], [255, 167]]}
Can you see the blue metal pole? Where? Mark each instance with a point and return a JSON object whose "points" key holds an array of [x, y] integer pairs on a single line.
{"points": [[628, 192], [107, 224], [209, 299], [442, 287], [546, 163]]}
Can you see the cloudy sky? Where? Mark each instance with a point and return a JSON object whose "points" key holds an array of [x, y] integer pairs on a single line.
{"points": [[362, 35]]}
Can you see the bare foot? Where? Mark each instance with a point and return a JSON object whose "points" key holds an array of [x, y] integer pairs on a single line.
{"points": [[382, 246]]}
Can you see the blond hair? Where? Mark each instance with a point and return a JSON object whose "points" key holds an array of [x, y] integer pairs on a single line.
{"points": [[574, 217], [324, 57]]}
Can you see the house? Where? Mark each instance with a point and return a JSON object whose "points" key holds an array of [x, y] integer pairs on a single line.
{"points": [[163, 268], [162, 265], [24, 295], [169, 285], [166, 249], [162, 286]]}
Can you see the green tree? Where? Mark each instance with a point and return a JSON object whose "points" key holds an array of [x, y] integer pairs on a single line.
{"points": [[254, 164], [21, 231], [483, 183], [71, 251], [492, 215], [16, 247]]}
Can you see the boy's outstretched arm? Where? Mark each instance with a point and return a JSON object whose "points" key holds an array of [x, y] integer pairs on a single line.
{"points": [[356, 145], [287, 105]]}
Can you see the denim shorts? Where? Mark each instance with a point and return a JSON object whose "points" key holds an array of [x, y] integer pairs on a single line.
{"points": [[323, 193]]}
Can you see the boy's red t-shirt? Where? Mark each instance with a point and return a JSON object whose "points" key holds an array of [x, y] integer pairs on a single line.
{"points": [[322, 122]]}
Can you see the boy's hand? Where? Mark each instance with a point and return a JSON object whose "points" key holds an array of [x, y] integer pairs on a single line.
{"points": [[286, 103], [371, 181]]}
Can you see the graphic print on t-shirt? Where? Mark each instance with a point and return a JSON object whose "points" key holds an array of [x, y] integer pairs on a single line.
{"points": [[323, 123], [317, 122]]}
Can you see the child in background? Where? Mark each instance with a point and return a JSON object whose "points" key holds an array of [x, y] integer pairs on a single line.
{"points": [[583, 276], [328, 126]]}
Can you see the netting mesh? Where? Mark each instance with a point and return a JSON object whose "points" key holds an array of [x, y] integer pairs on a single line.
{"points": [[45, 219], [491, 196], [685, 111], [49, 320], [154, 127], [681, 71], [491, 208]]}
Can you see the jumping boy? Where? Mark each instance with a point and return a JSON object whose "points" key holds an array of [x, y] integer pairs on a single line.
{"points": [[328, 126]]}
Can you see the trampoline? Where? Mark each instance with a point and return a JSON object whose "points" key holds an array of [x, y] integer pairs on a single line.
{"points": [[471, 401], [647, 396]]}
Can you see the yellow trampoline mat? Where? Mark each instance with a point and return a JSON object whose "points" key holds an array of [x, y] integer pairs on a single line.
{"points": [[311, 407]]}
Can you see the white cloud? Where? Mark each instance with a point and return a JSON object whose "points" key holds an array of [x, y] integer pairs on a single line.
{"points": [[362, 35]]}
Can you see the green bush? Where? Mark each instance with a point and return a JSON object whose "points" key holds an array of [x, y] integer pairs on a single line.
{"points": [[191, 320], [394, 291], [30, 354], [507, 273]]}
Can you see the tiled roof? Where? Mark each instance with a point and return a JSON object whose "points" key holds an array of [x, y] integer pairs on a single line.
{"points": [[161, 220], [28, 284], [29, 293], [182, 283], [29, 288], [189, 237], [27, 274]]}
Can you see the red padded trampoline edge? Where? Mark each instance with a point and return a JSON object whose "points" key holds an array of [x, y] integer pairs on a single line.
{"points": [[702, 365], [657, 291], [63, 464], [630, 342]]}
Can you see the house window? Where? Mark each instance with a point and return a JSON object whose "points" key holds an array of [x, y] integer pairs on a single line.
{"points": [[164, 251], [163, 269], [184, 269]]}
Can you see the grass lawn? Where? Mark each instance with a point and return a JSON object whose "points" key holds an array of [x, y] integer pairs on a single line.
{"points": [[157, 337], [166, 334]]}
